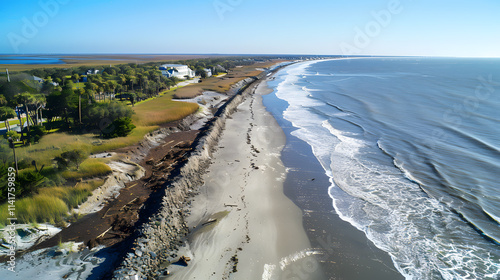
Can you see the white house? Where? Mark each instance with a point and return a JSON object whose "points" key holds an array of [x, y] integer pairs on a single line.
{"points": [[176, 70], [92, 72], [208, 71], [38, 79]]}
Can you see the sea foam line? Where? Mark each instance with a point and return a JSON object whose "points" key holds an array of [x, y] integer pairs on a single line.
{"points": [[414, 250]]}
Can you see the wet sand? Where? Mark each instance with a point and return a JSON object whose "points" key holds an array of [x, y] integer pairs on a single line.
{"points": [[242, 225], [344, 251]]}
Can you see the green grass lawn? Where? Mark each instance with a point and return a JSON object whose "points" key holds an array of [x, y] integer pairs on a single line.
{"points": [[2, 124]]}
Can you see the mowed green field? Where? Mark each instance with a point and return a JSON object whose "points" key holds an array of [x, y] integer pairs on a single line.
{"points": [[13, 122]]}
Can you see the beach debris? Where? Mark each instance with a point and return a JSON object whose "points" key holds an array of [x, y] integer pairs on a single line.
{"points": [[209, 222], [92, 243], [183, 260], [102, 234], [164, 275], [230, 205], [234, 259]]}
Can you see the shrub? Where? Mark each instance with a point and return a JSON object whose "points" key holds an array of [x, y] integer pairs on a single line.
{"points": [[119, 128], [70, 157], [26, 183], [100, 115], [15, 136], [37, 131]]}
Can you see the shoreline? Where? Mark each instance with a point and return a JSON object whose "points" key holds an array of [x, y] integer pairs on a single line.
{"points": [[233, 203], [344, 251], [233, 225], [257, 231], [162, 164]]}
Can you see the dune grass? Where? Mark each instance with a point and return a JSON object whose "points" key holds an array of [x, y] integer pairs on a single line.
{"points": [[91, 167], [162, 110], [53, 145], [72, 196], [36, 209], [50, 205], [106, 145]]}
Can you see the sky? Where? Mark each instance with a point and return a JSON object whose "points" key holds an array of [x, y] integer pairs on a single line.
{"points": [[455, 28]]}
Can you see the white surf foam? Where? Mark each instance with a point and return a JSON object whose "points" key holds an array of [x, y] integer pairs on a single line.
{"points": [[416, 230]]}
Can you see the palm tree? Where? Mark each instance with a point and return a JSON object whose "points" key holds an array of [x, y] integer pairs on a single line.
{"points": [[122, 79], [131, 80], [76, 77], [3, 101], [140, 77], [39, 102], [25, 99]]}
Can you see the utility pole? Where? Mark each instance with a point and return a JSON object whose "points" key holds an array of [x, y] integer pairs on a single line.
{"points": [[8, 77], [11, 144]]}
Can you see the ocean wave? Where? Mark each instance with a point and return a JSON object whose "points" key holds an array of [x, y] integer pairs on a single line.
{"points": [[405, 222], [424, 237]]}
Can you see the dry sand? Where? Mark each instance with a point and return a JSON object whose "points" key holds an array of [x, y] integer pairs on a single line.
{"points": [[254, 230]]}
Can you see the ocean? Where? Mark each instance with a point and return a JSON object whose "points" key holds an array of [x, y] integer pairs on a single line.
{"points": [[19, 59], [411, 147]]}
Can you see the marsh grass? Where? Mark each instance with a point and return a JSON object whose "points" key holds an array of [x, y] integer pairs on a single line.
{"points": [[72, 196], [133, 138], [91, 167], [53, 145], [51, 204], [39, 208], [162, 110]]}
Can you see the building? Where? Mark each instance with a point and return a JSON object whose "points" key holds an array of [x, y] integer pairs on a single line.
{"points": [[176, 70], [220, 68], [38, 79], [209, 72], [92, 72], [41, 81]]}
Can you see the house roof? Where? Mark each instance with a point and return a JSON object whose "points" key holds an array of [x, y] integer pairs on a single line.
{"points": [[173, 65]]}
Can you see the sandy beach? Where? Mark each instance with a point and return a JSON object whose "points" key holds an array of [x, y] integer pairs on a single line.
{"points": [[242, 225]]}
